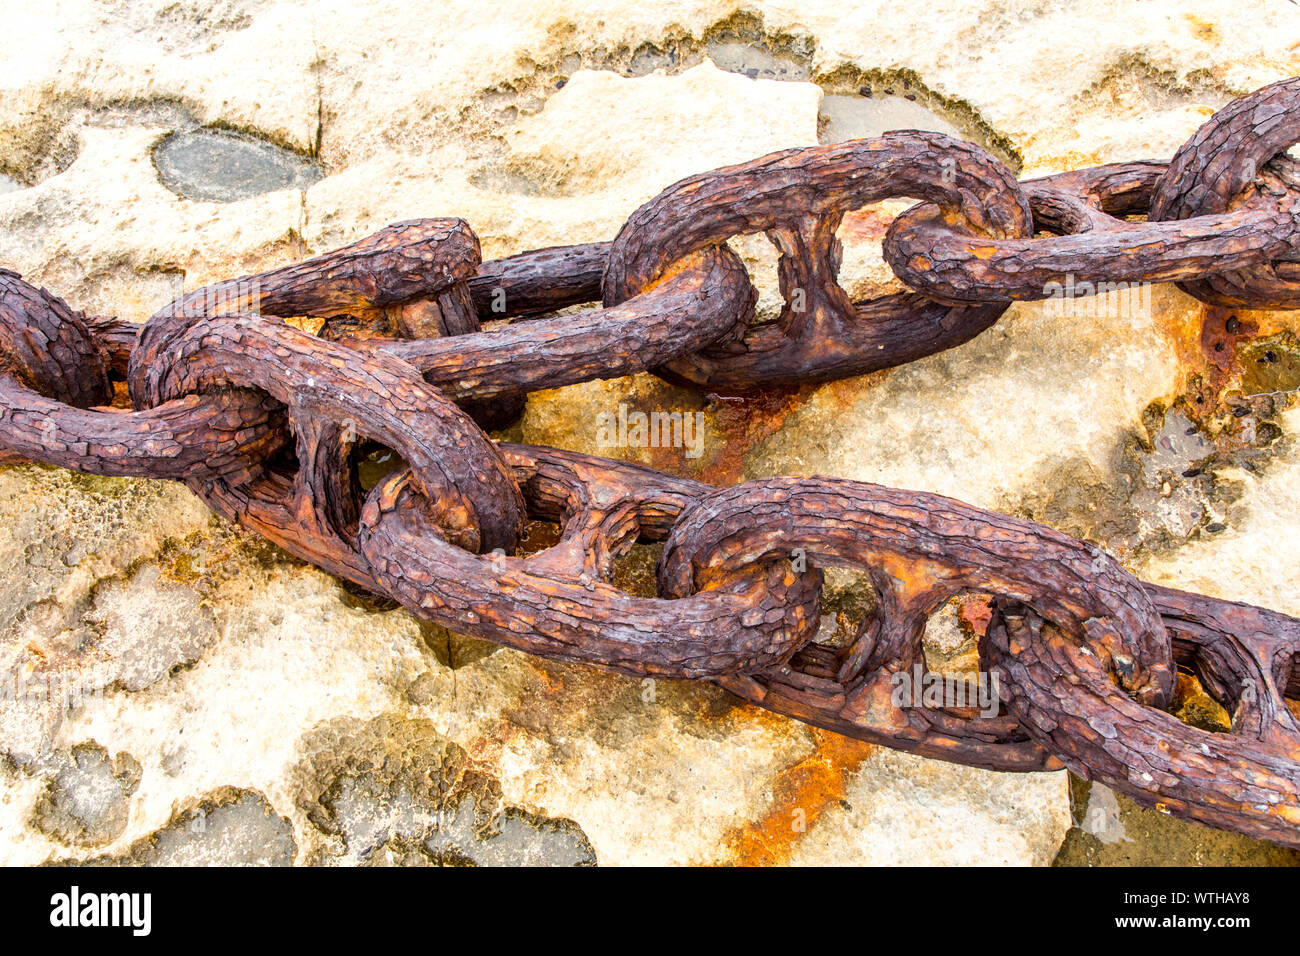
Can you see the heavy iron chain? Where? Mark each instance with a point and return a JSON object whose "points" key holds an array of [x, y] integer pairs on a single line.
{"points": [[264, 421]]}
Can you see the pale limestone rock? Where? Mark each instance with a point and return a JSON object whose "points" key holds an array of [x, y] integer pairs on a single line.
{"points": [[20, 793], [246, 64], [903, 809], [582, 132], [1257, 559], [949, 423], [110, 238], [565, 174]]}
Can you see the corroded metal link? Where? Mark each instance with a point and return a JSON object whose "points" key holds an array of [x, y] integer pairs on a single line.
{"points": [[539, 281], [1222, 168], [1192, 230], [559, 603], [931, 548], [1074, 694], [46, 344], [1244, 655], [707, 300], [798, 197], [1084, 200], [928, 254], [54, 389], [332, 401], [520, 286], [399, 273], [1061, 694], [331, 398], [225, 435], [919, 550]]}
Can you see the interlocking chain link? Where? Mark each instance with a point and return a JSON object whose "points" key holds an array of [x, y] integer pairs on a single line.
{"points": [[265, 422]]}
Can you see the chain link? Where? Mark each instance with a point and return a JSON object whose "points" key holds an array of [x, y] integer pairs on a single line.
{"points": [[266, 422]]}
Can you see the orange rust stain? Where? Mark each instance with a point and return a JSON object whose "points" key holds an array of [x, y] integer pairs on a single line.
{"points": [[675, 268], [918, 576], [1222, 330], [121, 397], [864, 226], [742, 424], [974, 614], [1061, 162], [814, 785], [1207, 341], [37, 658], [311, 324], [550, 678], [1181, 328], [1207, 337]]}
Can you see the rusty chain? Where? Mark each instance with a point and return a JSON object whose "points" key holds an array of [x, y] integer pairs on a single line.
{"points": [[265, 422]]}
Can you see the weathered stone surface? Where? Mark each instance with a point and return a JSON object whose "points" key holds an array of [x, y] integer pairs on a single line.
{"points": [[394, 791], [1253, 558], [87, 802], [1111, 830], [135, 627], [228, 828], [901, 808]]}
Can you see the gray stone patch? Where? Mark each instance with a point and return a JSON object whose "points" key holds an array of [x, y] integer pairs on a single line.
{"points": [[1166, 488], [87, 803], [245, 831], [123, 633], [85, 609], [393, 792], [1102, 818], [9, 185], [521, 839], [383, 823], [522, 179], [214, 165], [756, 62], [228, 828], [149, 626]]}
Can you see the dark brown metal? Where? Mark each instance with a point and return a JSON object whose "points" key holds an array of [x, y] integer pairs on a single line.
{"points": [[539, 281], [266, 423], [798, 197], [561, 602], [920, 550], [54, 389], [708, 299], [1065, 698], [1237, 161], [1216, 210]]}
